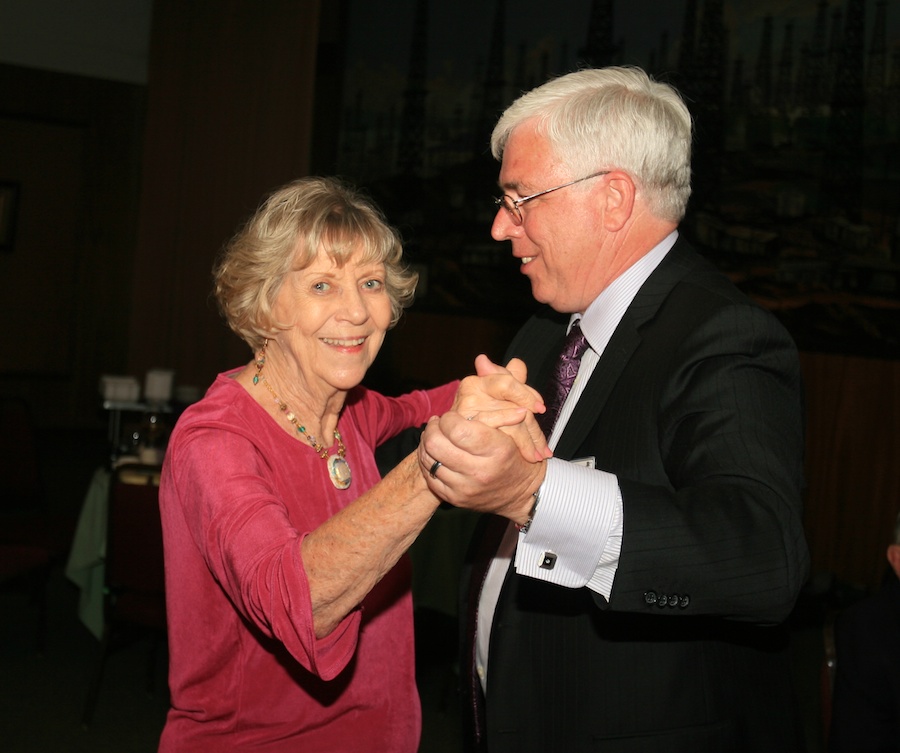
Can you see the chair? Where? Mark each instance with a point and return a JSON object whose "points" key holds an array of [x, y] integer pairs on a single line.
{"points": [[20, 477], [134, 597], [26, 518], [28, 568], [32, 540]]}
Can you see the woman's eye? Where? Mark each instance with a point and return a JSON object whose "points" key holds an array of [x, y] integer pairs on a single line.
{"points": [[321, 287], [373, 284]]}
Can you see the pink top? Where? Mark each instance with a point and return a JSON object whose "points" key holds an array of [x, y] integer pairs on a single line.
{"points": [[238, 494]]}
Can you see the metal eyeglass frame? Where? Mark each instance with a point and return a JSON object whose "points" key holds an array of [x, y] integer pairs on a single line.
{"points": [[512, 205]]}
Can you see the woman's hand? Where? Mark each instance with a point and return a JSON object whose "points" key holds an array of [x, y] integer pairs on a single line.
{"points": [[499, 398]]}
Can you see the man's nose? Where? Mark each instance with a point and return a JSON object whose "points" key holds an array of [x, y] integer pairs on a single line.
{"points": [[503, 228]]}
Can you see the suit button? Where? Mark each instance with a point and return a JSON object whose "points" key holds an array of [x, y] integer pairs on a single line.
{"points": [[650, 597], [684, 600], [663, 600], [673, 600]]}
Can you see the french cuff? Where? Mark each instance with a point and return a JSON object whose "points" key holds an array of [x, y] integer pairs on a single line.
{"points": [[568, 534], [601, 581]]}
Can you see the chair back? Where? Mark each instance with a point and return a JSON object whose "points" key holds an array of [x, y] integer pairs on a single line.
{"points": [[135, 574], [21, 488]]}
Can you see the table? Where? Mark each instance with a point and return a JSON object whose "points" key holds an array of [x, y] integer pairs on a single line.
{"points": [[86, 566]]}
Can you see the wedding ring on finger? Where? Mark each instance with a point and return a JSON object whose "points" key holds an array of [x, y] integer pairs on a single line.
{"points": [[434, 468]]}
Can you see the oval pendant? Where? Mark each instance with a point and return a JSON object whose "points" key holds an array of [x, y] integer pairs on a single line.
{"points": [[339, 471]]}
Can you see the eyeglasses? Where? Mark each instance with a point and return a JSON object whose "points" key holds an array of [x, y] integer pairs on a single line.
{"points": [[512, 205]]}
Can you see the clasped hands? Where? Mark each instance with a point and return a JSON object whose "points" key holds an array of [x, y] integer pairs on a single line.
{"points": [[486, 453]]}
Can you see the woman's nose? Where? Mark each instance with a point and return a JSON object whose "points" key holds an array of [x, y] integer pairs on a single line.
{"points": [[354, 308]]}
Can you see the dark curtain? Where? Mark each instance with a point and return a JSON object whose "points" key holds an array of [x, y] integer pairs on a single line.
{"points": [[852, 464], [230, 112]]}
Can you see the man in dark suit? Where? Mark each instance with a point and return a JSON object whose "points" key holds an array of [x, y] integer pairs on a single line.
{"points": [[636, 598], [865, 713]]}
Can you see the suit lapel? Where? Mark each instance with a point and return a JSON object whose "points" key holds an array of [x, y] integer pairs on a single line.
{"points": [[596, 392], [625, 340]]}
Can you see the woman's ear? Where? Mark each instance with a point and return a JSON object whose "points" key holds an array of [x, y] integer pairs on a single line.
{"points": [[619, 199]]}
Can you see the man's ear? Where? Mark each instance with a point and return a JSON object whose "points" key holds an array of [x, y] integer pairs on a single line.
{"points": [[618, 200], [893, 556]]}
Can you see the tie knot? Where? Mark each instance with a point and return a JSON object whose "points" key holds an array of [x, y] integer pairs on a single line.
{"points": [[575, 343]]}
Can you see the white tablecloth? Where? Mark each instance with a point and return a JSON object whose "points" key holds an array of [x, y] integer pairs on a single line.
{"points": [[85, 567]]}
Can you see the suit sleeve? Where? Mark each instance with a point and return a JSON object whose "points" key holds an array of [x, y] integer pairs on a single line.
{"points": [[717, 530]]}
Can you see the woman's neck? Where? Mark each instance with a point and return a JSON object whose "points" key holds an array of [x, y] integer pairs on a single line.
{"points": [[284, 392]]}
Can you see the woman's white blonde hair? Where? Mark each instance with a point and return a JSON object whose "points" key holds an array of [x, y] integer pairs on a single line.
{"points": [[286, 233]]}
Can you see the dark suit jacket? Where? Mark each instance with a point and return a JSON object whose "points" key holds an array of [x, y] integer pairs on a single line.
{"points": [[696, 406], [865, 713]]}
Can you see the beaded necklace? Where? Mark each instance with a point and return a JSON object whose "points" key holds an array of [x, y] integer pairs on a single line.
{"points": [[338, 468]]}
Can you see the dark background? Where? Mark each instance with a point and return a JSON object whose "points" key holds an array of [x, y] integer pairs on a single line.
{"points": [[135, 136]]}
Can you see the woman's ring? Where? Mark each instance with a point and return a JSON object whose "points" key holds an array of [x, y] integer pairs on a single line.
{"points": [[434, 468]]}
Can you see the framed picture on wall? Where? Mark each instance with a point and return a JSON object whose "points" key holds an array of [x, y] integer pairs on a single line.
{"points": [[9, 199]]}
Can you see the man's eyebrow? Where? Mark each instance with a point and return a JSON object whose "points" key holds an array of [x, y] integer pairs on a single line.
{"points": [[510, 185]]}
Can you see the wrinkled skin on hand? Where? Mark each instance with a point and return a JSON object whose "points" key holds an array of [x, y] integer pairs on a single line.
{"points": [[490, 446]]}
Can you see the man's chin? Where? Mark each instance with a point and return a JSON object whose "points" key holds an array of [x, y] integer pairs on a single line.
{"points": [[540, 295]]}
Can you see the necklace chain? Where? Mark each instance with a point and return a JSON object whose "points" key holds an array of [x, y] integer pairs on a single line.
{"points": [[320, 449]]}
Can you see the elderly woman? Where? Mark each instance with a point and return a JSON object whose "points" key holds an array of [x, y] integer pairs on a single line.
{"points": [[289, 606]]}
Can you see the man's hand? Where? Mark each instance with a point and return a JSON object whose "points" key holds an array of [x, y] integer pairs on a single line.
{"points": [[481, 467]]}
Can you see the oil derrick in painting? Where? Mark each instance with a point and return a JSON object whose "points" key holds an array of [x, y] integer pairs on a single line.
{"points": [[599, 49], [701, 78], [412, 118], [812, 94], [493, 93], [845, 152], [876, 78]]}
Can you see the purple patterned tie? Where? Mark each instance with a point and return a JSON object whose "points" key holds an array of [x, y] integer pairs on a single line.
{"points": [[560, 383]]}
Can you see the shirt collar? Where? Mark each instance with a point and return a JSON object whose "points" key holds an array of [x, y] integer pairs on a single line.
{"points": [[603, 315]]}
